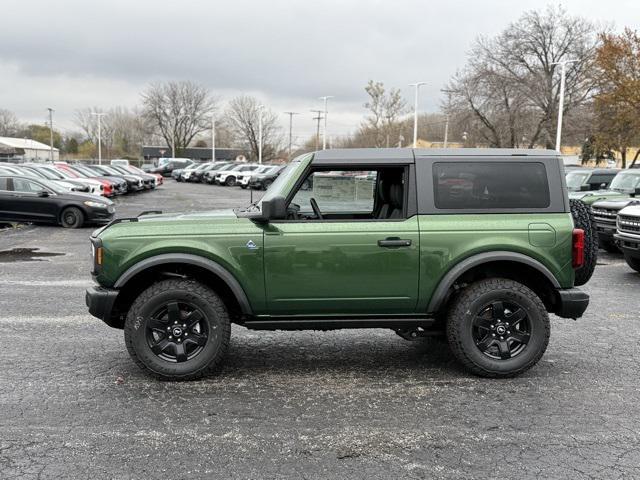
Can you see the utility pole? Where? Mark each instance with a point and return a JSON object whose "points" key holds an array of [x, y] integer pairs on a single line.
{"points": [[563, 75], [291, 114], [446, 131], [415, 112], [213, 138], [99, 115], [318, 118], [260, 107], [324, 130], [51, 133]]}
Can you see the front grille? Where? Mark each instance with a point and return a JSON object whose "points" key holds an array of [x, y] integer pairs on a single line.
{"points": [[604, 215], [629, 224]]}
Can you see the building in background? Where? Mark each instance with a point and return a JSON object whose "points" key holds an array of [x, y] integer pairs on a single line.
{"points": [[25, 150], [199, 154]]}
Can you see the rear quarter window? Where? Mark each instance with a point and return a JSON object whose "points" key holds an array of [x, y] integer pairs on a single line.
{"points": [[490, 185]]}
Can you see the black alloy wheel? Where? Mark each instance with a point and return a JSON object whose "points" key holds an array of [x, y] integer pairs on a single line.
{"points": [[502, 330], [176, 332]]}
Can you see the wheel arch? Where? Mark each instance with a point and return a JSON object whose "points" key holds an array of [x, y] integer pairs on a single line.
{"points": [[512, 265], [139, 276]]}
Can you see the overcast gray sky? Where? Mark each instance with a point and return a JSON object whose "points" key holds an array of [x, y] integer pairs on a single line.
{"points": [[70, 54]]}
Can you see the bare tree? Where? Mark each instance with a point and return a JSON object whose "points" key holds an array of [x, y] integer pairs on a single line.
{"points": [[243, 116], [9, 124], [178, 110], [386, 108], [509, 89]]}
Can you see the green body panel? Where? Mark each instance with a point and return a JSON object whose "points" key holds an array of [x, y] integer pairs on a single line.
{"points": [[338, 267], [593, 196], [445, 240], [218, 236]]}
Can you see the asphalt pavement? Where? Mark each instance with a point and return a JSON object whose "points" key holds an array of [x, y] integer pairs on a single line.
{"points": [[345, 404]]}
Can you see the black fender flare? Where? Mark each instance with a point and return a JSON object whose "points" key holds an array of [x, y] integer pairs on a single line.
{"points": [[440, 294], [190, 259]]}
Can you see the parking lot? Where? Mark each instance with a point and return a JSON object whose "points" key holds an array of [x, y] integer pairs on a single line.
{"points": [[344, 404]]}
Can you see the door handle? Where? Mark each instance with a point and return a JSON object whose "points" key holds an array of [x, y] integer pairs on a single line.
{"points": [[394, 242]]}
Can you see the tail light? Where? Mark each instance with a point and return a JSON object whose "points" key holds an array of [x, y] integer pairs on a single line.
{"points": [[578, 247]]}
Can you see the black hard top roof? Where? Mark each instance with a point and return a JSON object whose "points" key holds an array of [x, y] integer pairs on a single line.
{"points": [[409, 154]]}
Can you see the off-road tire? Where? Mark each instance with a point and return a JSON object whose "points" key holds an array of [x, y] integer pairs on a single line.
{"points": [[71, 217], [583, 218], [470, 302], [215, 313], [633, 262]]}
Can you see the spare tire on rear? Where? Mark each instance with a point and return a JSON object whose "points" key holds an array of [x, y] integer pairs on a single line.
{"points": [[583, 219]]}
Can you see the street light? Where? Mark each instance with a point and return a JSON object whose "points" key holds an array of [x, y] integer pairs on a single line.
{"points": [[324, 130], [291, 114], [99, 115], [260, 107], [563, 74], [417, 85], [51, 133], [213, 138]]}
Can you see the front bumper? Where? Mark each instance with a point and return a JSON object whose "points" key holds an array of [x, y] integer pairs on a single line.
{"points": [[572, 303], [100, 301], [630, 245]]}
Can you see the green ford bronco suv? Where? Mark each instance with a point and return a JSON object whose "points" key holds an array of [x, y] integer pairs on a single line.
{"points": [[476, 244]]}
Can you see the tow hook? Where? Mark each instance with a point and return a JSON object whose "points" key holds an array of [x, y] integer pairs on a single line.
{"points": [[411, 334]]}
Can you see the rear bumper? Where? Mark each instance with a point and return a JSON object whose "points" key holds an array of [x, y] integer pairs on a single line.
{"points": [[572, 303], [100, 301]]}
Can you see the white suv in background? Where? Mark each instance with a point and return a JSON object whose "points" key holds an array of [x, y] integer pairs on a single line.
{"points": [[230, 177]]}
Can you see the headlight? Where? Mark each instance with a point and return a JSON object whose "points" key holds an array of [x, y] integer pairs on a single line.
{"points": [[92, 204]]}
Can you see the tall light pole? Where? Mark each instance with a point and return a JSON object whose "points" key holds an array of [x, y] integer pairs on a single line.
{"points": [[213, 138], [51, 133], [563, 75], [417, 85], [260, 107], [317, 118], [291, 114], [446, 131], [324, 130], [99, 115]]}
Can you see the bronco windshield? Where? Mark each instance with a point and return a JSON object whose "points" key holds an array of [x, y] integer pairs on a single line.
{"points": [[576, 179], [626, 181]]}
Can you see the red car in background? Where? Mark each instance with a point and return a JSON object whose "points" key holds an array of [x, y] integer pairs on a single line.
{"points": [[107, 187]]}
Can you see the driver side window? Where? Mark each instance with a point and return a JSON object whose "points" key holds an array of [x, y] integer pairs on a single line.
{"points": [[362, 194], [26, 186]]}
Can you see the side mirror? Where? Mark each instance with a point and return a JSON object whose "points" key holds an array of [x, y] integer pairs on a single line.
{"points": [[43, 193], [272, 209], [636, 191]]}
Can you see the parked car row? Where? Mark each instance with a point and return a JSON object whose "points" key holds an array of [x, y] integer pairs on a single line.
{"points": [[104, 180], [614, 198], [245, 175]]}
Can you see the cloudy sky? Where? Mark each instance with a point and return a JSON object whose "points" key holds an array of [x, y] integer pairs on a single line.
{"points": [[71, 54]]}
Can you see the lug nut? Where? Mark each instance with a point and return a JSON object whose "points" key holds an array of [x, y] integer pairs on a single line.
{"points": [[493, 334], [493, 326], [184, 325], [507, 324], [170, 337], [175, 323], [179, 340], [508, 332], [501, 338], [168, 329]]}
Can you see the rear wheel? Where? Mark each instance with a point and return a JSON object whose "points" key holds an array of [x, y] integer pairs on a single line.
{"points": [[178, 330], [498, 328], [72, 217], [583, 219]]}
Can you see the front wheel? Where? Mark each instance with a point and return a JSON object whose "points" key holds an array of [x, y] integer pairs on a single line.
{"points": [[72, 217], [498, 328], [178, 330], [230, 181], [633, 262]]}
